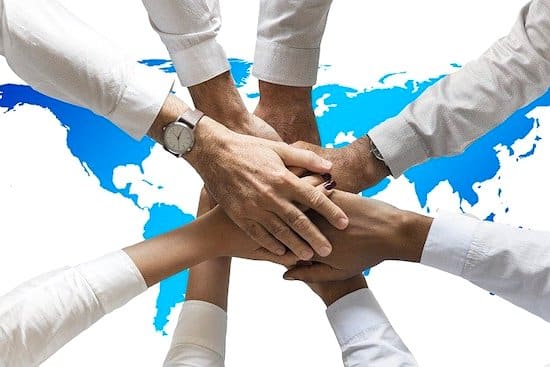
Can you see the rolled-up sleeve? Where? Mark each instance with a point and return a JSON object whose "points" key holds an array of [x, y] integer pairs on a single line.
{"points": [[513, 263], [465, 105], [199, 338], [289, 41], [43, 314], [365, 334], [188, 30], [62, 57]]}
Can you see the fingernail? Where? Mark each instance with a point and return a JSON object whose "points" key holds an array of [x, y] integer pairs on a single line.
{"points": [[343, 223], [330, 185], [306, 255], [326, 176], [325, 251]]}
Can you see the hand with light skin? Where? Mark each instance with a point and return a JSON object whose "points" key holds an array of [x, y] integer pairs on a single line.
{"points": [[377, 232], [249, 178]]}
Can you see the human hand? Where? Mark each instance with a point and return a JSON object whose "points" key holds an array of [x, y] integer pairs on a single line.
{"points": [[249, 178], [377, 231], [229, 240], [355, 168]]}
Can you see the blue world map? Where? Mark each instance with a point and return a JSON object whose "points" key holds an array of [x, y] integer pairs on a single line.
{"points": [[101, 147]]}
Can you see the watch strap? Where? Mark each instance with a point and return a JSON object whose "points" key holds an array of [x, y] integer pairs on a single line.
{"points": [[375, 151], [191, 118]]}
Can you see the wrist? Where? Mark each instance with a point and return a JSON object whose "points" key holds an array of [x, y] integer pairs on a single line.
{"points": [[332, 291], [289, 111], [210, 136], [414, 229], [214, 243], [172, 108], [278, 94], [219, 99], [372, 170]]}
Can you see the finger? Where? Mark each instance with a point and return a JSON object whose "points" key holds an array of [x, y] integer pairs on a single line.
{"points": [[307, 146], [298, 172], [303, 226], [261, 254], [316, 273], [327, 188], [294, 157], [316, 199], [286, 235], [263, 238]]}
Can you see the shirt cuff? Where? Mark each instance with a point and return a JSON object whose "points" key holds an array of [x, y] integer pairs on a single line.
{"points": [[398, 144], [200, 62], [143, 97], [279, 64], [114, 279], [203, 324], [354, 314], [449, 241]]}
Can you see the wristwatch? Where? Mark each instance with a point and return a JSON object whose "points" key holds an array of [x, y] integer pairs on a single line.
{"points": [[179, 136], [375, 152]]}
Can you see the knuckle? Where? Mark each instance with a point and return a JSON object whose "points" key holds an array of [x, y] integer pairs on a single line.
{"points": [[316, 198], [254, 231], [281, 231], [266, 192], [279, 178], [300, 222]]}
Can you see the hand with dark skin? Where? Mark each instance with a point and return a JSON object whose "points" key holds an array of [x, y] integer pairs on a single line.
{"points": [[290, 112], [377, 232]]}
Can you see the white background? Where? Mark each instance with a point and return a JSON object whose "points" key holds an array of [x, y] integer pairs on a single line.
{"points": [[52, 214]]}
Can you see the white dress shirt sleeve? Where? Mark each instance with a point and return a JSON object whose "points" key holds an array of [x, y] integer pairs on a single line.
{"points": [[289, 40], [513, 263], [64, 58], [199, 337], [460, 108], [364, 333], [189, 29], [42, 315]]}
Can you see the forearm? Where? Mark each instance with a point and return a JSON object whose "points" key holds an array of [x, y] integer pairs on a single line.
{"points": [[60, 56], [218, 98], [289, 111], [168, 254], [460, 108], [209, 282]]}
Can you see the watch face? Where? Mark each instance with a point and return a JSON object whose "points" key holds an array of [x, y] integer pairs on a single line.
{"points": [[178, 138]]}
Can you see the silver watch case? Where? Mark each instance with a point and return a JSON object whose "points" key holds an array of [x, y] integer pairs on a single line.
{"points": [[179, 136]]}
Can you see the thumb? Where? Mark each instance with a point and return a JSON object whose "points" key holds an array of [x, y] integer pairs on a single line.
{"points": [[315, 273], [294, 157]]}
